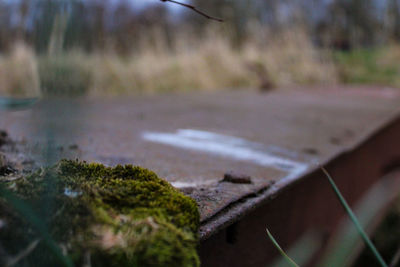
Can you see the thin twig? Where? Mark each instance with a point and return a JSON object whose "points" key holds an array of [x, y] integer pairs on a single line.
{"points": [[31, 247], [194, 9]]}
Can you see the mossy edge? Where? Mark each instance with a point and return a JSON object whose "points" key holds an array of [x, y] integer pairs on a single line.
{"points": [[120, 216]]}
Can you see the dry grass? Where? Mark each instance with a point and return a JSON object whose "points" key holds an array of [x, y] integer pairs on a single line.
{"points": [[19, 73], [207, 65], [210, 63], [290, 58]]}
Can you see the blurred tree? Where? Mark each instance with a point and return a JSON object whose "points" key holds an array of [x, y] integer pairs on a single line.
{"points": [[5, 29], [353, 23], [76, 32], [43, 21], [96, 24], [392, 20], [23, 15]]}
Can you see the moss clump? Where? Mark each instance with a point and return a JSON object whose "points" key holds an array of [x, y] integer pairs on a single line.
{"points": [[121, 216]]}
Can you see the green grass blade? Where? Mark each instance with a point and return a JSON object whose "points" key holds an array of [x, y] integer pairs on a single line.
{"points": [[354, 219], [285, 256], [302, 251], [23, 209]]}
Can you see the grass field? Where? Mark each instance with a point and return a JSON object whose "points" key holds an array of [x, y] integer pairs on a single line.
{"points": [[267, 60], [370, 66], [211, 63]]}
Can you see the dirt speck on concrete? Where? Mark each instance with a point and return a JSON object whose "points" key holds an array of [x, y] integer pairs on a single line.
{"points": [[335, 141], [73, 147], [5, 165], [236, 178], [13, 160], [4, 139], [310, 151]]}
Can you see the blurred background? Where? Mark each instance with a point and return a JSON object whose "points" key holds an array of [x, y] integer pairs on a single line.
{"points": [[105, 48], [113, 47]]}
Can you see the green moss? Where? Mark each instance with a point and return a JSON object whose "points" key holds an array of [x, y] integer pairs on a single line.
{"points": [[122, 216]]}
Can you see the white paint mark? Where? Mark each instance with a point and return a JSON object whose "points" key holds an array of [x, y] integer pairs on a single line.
{"points": [[227, 146], [179, 184]]}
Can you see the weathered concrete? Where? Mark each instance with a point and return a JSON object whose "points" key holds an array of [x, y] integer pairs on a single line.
{"points": [[192, 140]]}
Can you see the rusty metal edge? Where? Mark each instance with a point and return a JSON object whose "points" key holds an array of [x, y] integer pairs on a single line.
{"points": [[240, 208]]}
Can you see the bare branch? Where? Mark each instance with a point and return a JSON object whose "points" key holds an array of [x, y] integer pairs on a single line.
{"points": [[194, 9]]}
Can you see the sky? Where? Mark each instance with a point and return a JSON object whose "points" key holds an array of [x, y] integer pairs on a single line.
{"points": [[174, 9], [143, 3]]}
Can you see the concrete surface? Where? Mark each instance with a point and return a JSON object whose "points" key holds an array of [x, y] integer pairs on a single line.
{"points": [[193, 139]]}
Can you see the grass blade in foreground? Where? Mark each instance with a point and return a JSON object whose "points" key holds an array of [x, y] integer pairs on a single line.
{"points": [[302, 251], [288, 259], [355, 220], [23, 209]]}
